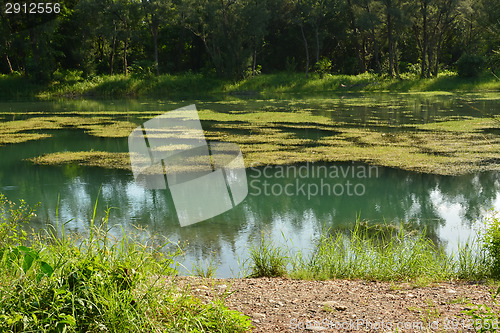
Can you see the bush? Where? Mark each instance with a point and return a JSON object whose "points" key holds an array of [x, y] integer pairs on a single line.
{"points": [[323, 66], [12, 217], [470, 65], [491, 241], [97, 283]]}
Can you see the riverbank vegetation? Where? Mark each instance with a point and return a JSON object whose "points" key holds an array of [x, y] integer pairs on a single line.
{"points": [[196, 86], [53, 281], [382, 252]]}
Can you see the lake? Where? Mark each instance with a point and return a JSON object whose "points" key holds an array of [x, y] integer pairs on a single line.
{"points": [[449, 207]]}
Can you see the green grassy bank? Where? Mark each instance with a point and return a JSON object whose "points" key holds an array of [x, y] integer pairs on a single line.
{"points": [[71, 84], [54, 281]]}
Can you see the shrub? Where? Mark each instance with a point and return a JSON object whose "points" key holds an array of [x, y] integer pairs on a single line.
{"points": [[98, 284], [470, 65], [323, 66], [12, 217], [491, 241]]}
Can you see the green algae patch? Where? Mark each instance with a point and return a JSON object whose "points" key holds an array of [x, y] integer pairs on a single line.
{"points": [[298, 129], [100, 159], [18, 131], [11, 138], [115, 129], [447, 148]]}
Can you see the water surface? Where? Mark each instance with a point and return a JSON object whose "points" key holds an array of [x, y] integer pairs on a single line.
{"points": [[448, 207]]}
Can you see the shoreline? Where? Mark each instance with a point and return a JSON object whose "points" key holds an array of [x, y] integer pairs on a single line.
{"points": [[191, 85]]}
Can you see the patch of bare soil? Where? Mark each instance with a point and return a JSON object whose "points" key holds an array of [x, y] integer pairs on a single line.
{"points": [[285, 305]]}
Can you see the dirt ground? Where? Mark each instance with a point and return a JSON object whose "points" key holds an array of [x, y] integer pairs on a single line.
{"points": [[285, 305]]}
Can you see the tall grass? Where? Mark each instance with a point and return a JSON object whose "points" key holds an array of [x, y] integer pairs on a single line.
{"points": [[383, 253], [192, 85], [59, 282]]}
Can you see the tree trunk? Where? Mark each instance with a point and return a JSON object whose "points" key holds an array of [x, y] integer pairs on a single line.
{"points": [[154, 32], [317, 44], [254, 60], [113, 49], [307, 49], [375, 43], [36, 54], [125, 65], [361, 60], [8, 62], [376, 51], [423, 8], [390, 40], [396, 59], [430, 59]]}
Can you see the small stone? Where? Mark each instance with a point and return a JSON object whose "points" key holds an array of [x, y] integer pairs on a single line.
{"points": [[256, 321], [335, 305], [451, 291], [222, 286], [258, 315], [410, 295]]}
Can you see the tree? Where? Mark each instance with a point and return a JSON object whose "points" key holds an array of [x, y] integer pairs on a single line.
{"points": [[157, 12]]}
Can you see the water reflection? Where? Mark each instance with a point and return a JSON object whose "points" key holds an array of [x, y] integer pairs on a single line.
{"points": [[435, 202], [446, 206]]}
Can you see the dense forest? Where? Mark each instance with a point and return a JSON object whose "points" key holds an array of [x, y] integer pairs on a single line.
{"points": [[238, 38]]}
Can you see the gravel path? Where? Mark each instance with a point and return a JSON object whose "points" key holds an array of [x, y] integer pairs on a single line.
{"points": [[285, 305]]}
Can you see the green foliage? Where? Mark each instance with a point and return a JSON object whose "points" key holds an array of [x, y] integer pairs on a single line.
{"points": [[323, 67], [470, 65], [12, 218], [142, 69], [205, 272], [483, 317], [96, 283], [290, 64], [491, 239]]}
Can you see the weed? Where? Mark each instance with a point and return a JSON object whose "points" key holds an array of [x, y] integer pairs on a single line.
{"points": [[484, 317], [99, 284], [381, 253], [268, 260]]}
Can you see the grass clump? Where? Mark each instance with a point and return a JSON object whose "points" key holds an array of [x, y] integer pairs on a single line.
{"points": [[384, 252], [71, 283], [268, 260]]}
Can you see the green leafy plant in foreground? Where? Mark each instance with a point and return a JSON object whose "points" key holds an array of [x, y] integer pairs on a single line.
{"points": [[484, 317], [100, 284]]}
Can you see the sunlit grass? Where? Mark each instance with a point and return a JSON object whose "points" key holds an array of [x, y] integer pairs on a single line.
{"points": [[56, 281], [196, 85], [381, 252]]}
